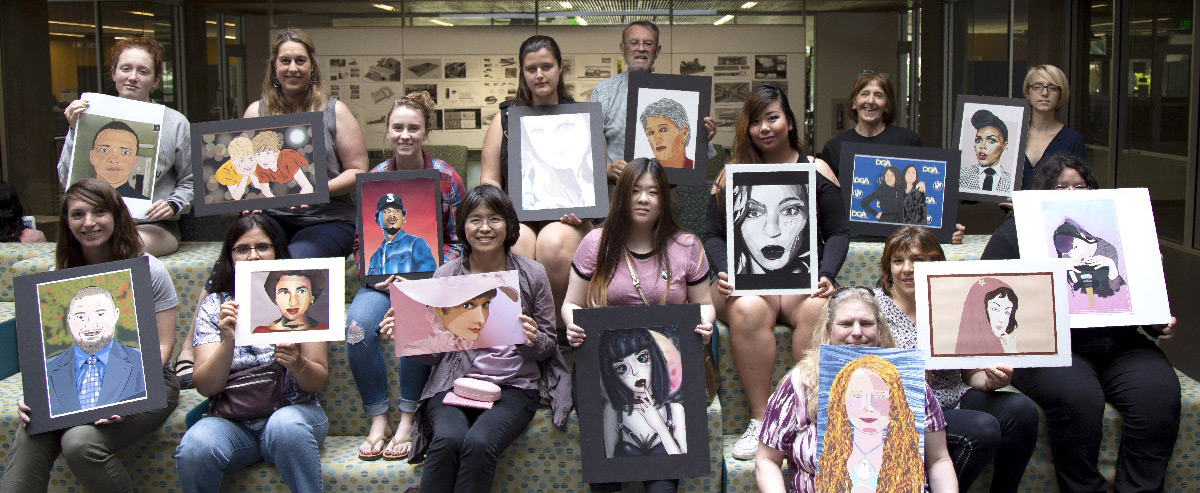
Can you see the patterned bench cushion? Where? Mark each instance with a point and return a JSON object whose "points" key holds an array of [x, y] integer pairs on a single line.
{"points": [[11, 253]]}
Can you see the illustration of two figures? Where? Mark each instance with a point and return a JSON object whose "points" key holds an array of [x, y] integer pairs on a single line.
{"points": [[259, 162]]}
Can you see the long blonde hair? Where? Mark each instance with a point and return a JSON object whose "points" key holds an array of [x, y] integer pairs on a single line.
{"points": [[903, 468], [273, 102]]}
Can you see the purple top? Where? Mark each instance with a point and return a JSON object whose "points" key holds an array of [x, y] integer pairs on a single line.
{"points": [[504, 365], [786, 428], [684, 254]]}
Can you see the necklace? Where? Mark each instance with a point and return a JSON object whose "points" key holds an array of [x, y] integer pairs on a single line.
{"points": [[864, 470]]}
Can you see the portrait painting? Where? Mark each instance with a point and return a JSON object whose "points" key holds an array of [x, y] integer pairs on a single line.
{"points": [[290, 301], [259, 163], [441, 314], [116, 141], [991, 134], [983, 313], [894, 186], [399, 225], [88, 343], [647, 420], [771, 228], [668, 124], [556, 162], [870, 401], [1107, 242]]}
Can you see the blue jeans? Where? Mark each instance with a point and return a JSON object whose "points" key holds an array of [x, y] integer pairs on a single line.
{"points": [[331, 239], [366, 360], [290, 439]]}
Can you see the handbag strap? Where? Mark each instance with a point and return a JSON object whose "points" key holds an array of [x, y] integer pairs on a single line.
{"points": [[638, 283]]}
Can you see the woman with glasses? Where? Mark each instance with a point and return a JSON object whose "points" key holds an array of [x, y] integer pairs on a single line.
{"points": [[408, 126], [1118, 365], [852, 317], [1047, 90], [982, 426]]}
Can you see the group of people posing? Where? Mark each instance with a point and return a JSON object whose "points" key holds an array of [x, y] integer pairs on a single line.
{"points": [[638, 255]]}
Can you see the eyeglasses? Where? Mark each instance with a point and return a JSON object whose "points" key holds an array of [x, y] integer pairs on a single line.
{"points": [[641, 44], [1044, 87], [868, 71], [261, 248], [492, 221], [1077, 186]]}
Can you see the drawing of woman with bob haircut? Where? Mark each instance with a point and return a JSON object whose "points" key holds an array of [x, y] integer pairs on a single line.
{"points": [[868, 410], [642, 418], [1094, 270], [989, 319]]}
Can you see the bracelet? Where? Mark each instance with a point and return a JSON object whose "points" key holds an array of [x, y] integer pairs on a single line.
{"points": [[302, 368]]}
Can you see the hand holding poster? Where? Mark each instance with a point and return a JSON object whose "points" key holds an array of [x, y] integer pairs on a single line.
{"points": [[292, 301]]}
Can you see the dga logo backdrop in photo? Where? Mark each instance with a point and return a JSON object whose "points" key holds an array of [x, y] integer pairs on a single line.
{"points": [[868, 177]]}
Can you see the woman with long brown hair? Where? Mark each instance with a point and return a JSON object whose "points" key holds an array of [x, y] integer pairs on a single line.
{"points": [[94, 227], [136, 69], [640, 256], [767, 132], [851, 318]]}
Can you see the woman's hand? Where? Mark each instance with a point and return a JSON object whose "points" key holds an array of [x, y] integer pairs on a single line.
{"points": [[575, 335], [110, 420], [1165, 332], [723, 286], [825, 288], [383, 286], [571, 220], [388, 324], [255, 211], [960, 232], [159, 210], [921, 186], [288, 354], [615, 168], [23, 411], [227, 319], [1101, 262], [989, 379], [531, 329], [652, 413], [710, 126], [74, 110], [705, 331]]}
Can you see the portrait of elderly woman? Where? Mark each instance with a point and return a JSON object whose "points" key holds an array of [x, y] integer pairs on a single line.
{"points": [[668, 131], [452, 313], [294, 292]]}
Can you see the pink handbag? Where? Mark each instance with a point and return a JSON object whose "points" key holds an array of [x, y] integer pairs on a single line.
{"points": [[471, 392]]}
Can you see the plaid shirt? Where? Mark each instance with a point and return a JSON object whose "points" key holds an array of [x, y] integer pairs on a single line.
{"points": [[452, 195]]}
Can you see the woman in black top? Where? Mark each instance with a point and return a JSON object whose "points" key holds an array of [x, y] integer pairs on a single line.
{"points": [[890, 195], [870, 106], [766, 132], [1118, 365]]}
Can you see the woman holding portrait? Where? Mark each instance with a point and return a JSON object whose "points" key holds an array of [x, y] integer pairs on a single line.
{"points": [[767, 132], [136, 68]]}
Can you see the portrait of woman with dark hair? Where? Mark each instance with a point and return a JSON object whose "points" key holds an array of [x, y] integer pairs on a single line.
{"points": [[294, 292], [991, 140], [643, 417], [770, 228], [989, 319], [1093, 269], [888, 194]]}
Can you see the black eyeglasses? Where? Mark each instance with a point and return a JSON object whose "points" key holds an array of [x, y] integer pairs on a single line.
{"points": [[1044, 87], [261, 248]]}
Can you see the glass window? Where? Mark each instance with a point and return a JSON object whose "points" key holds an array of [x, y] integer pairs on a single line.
{"points": [[979, 37], [1094, 91]]}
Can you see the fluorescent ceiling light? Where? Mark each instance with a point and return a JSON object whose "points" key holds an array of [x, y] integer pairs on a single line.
{"points": [[111, 28], [490, 16], [69, 35], [388, 8], [138, 12], [748, 5], [723, 20], [441, 23], [566, 5], [581, 21]]}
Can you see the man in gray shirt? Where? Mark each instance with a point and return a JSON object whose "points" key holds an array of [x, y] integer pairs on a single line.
{"points": [[639, 47]]}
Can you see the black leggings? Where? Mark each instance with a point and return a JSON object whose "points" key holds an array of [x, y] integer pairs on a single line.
{"points": [[467, 442], [1126, 369], [992, 425]]}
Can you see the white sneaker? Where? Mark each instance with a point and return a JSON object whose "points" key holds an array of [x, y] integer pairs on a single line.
{"points": [[747, 445]]}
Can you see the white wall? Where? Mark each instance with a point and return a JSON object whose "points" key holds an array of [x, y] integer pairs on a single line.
{"points": [[580, 42]]}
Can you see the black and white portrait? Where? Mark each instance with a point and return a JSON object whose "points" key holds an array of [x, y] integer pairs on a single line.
{"points": [[771, 228]]}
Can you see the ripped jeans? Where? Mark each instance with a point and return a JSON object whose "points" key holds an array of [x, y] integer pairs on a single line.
{"points": [[366, 359]]}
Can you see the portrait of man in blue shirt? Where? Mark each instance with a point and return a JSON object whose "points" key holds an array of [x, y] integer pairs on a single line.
{"points": [[400, 252], [97, 370]]}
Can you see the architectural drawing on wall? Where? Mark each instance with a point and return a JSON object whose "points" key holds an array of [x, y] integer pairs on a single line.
{"points": [[343, 69], [456, 70], [385, 70], [692, 67], [730, 92], [733, 60], [726, 116], [770, 66], [380, 94], [354, 94], [424, 68], [568, 67], [465, 119]]}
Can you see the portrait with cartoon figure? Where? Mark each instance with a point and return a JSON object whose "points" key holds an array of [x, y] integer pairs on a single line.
{"points": [[399, 224]]}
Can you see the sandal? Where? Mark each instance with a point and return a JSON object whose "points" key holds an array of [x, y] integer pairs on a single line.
{"points": [[373, 442], [396, 443], [185, 380]]}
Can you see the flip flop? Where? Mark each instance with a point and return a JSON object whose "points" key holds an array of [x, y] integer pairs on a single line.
{"points": [[395, 443], [374, 442]]}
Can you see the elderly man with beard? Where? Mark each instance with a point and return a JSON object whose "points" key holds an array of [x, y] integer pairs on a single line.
{"points": [[639, 47], [400, 252], [97, 370]]}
